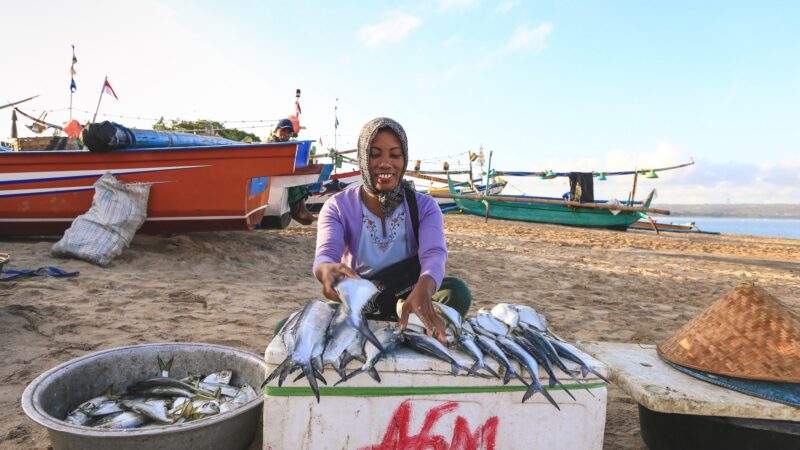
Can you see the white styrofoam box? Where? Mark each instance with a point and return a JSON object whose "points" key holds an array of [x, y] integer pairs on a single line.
{"points": [[419, 404]]}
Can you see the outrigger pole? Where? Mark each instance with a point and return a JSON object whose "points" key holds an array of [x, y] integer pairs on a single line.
{"points": [[503, 198]]}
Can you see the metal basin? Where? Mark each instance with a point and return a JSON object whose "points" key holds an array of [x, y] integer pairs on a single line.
{"points": [[58, 391]]}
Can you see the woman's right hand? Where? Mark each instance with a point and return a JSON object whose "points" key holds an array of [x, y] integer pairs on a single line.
{"points": [[329, 273]]}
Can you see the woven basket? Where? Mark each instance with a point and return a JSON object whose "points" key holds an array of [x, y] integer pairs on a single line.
{"points": [[746, 334]]}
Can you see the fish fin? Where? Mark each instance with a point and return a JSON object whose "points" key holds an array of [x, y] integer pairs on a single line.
{"points": [[308, 371], [491, 371], [508, 375], [472, 371], [454, 368], [550, 398], [598, 375], [566, 390], [374, 375], [278, 370], [532, 389], [319, 376], [299, 375], [363, 328]]}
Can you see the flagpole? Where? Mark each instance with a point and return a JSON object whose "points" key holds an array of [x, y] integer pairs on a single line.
{"points": [[72, 79], [336, 125], [100, 99]]}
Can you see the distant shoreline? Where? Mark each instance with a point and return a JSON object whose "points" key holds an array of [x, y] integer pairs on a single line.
{"points": [[748, 211]]}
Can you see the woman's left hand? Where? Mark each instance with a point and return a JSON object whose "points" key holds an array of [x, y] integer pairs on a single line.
{"points": [[420, 303]]}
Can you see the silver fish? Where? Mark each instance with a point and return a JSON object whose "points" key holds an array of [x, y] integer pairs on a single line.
{"points": [[539, 355], [452, 316], [426, 344], [225, 389], [566, 352], [529, 363], [338, 342], [506, 314], [205, 408], [78, 417], [530, 317], [492, 349], [310, 329], [468, 344], [488, 322], [221, 377], [123, 420], [287, 333], [151, 411], [390, 339], [105, 408], [355, 294]]}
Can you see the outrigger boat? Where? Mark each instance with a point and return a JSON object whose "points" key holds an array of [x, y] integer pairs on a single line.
{"points": [[593, 213], [224, 185]]}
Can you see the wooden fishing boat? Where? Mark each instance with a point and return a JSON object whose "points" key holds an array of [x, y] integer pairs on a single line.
{"points": [[218, 187], [652, 225], [598, 214]]}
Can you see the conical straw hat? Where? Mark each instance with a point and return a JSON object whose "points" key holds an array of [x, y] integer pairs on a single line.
{"points": [[746, 334]]}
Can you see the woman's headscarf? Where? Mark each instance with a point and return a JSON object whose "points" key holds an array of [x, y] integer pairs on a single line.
{"points": [[368, 133]]}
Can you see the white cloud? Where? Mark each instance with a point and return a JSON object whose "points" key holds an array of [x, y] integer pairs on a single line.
{"points": [[447, 5], [393, 29], [505, 6], [525, 38]]}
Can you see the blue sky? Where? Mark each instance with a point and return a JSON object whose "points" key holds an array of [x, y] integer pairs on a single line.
{"points": [[565, 85]]}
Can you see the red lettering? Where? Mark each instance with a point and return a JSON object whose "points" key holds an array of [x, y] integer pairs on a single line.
{"points": [[397, 437]]}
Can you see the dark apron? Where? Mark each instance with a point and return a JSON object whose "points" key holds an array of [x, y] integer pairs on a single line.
{"points": [[396, 281], [393, 282]]}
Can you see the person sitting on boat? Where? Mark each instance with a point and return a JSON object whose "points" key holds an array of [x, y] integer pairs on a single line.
{"points": [[297, 194], [384, 231]]}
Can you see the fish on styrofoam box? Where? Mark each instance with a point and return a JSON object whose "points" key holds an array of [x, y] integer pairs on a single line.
{"points": [[420, 404]]}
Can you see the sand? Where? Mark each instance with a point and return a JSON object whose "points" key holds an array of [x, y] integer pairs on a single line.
{"points": [[231, 288]]}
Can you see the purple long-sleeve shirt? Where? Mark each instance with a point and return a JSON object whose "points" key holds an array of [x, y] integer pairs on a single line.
{"points": [[339, 229]]}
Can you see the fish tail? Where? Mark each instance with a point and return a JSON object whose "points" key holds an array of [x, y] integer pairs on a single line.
{"points": [[318, 375], [350, 375], [308, 371], [598, 375], [550, 398], [566, 390], [363, 328], [374, 375], [532, 389], [454, 368], [278, 370], [491, 371]]}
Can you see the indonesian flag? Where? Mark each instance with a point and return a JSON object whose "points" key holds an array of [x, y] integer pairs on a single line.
{"points": [[297, 109], [107, 89]]}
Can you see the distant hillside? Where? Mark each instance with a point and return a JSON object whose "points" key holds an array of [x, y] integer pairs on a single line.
{"points": [[778, 211]]}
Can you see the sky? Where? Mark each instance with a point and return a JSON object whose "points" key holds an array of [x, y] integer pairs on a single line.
{"points": [[566, 85]]}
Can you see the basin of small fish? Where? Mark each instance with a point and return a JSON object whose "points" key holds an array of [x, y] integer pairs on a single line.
{"points": [[163, 401], [320, 335]]}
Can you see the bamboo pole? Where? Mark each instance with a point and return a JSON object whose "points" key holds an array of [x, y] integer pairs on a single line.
{"points": [[502, 198]]}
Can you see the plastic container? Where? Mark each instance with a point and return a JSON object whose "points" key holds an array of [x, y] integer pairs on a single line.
{"points": [[59, 390], [419, 404]]}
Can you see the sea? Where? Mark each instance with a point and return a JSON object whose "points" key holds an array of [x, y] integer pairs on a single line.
{"points": [[784, 228]]}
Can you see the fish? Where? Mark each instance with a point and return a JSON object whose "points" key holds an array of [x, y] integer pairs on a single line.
{"points": [[529, 363], [492, 349], [105, 408], [225, 389], [426, 344], [149, 410], [78, 417], [287, 333], [355, 294], [467, 342], [123, 420], [538, 354], [165, 391], [488, 322], [530, 317], [451, 315], [506, 314], [311, 327], [202, 408], [221, 377], [164, 382], [164, 367], [390, 340], [338, 343], [568, 353]]}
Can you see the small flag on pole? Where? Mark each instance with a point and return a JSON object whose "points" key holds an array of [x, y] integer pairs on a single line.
{"points": [[107, 89], [297, 109], [72, 86]]}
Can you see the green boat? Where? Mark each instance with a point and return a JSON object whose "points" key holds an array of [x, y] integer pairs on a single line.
{"points": [[598, 214]]}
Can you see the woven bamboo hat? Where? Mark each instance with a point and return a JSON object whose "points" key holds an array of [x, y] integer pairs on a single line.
{"points": [[746, 334]]}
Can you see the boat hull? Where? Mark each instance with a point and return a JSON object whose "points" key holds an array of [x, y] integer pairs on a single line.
{"points": [[555, 214], [193, 188]]}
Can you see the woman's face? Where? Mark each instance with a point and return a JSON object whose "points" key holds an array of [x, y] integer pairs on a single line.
{"points": [[386, 161]]}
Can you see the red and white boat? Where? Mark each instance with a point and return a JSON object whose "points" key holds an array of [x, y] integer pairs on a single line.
{"points": [[222, 187]]}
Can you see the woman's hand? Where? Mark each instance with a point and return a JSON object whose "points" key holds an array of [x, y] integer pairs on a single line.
{"points": [[419, 302], [328, 274]]}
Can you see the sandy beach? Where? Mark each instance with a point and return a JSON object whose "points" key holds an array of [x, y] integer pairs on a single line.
{"points": [[231, 288]]}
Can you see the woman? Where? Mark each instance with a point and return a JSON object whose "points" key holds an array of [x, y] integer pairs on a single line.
{"points": [[385, 232]]}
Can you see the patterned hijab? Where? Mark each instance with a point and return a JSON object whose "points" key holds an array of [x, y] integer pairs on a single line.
{"points": [[368, 133]]}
